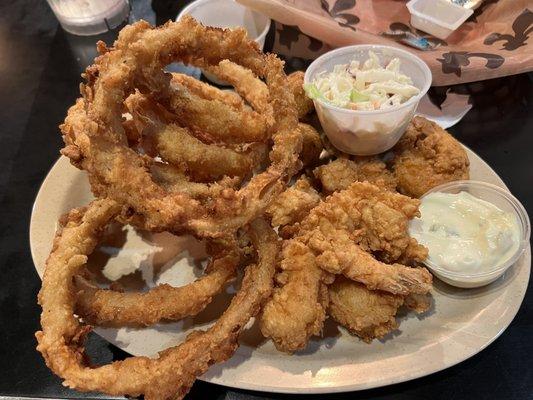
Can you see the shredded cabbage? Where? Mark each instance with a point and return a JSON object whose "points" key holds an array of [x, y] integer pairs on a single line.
{"points": [[363, 86]]}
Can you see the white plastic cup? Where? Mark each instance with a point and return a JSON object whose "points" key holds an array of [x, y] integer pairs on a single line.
{"points": [[84, 18], [505, 201], [368, 132], [228, 14]]}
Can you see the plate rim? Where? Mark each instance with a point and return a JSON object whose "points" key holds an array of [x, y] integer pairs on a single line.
{"points": [[328, 387]]}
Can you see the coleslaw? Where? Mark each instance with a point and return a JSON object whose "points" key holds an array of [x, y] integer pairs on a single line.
{"points": [[363, 87]]}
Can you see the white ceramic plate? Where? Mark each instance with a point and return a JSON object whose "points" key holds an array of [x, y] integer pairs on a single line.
{"points": [[462, 322]]}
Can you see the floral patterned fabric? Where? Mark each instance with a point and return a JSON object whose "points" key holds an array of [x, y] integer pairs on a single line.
{"points": [[497, 40]]}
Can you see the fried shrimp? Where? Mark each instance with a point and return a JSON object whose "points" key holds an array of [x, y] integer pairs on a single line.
{"points": [[326, 244], [297, 309]]}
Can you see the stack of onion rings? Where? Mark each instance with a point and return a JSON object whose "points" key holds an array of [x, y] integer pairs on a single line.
{"points": [[165, 152], [98, 143]]}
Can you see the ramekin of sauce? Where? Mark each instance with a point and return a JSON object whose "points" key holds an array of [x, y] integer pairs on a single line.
{"points": [[474, 232]]}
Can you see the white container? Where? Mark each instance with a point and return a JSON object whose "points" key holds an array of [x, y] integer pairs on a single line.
{"points": [[84, 18], [228, 14], [368, 132], [502, 199], [437, 17]]}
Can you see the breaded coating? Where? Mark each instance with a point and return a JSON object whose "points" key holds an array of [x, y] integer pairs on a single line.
{"points": [[326, 243], [176, 145], [312, 145], [246, 84], [216, 119], [386, 233], [419, 303], [174, 179], [342, 172], [297, 308], [172, 373], [294, 203], [380, 217], [428, 156], [208, 92], [296, 85], [337, 252], [369, 314], [205, 162]]}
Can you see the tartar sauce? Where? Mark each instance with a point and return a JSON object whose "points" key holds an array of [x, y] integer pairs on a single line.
{"points": [[465, 234]]}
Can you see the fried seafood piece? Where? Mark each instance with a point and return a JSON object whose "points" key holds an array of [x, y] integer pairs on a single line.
{"points": [[342, 172], [297, 309], [312, 145], [419, 303], [296, 85], [374, 218], [294, 203], [250, 88], [205, 162], [385, 232], [325, 243], [338, 253], [427, 156], [369, 314], [172, 373], [255, 91]]}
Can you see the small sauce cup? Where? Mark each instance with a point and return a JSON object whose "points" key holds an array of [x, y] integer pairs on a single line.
{"points": [[368, 132], [228, 14], [505, 201], [437, 17]]}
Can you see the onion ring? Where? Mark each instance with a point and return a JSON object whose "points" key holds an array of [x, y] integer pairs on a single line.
{"points": [[176, 145], [246, 84], [218, 120], [174, 179], [206, 91], [169, 376], [163, 303], [96, 141]]}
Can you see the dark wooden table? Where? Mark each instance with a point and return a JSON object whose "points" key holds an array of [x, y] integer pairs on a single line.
{"points": [[40, 68]]}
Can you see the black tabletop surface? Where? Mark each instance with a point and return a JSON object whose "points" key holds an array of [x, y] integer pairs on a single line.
{"points": [[40, 68]]}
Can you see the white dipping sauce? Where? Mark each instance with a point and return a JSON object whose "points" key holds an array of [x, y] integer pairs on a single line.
{"points": [[465, 234]]}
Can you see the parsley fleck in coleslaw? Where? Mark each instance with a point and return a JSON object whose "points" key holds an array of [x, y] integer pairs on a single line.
{"points": [[363, 87]]}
